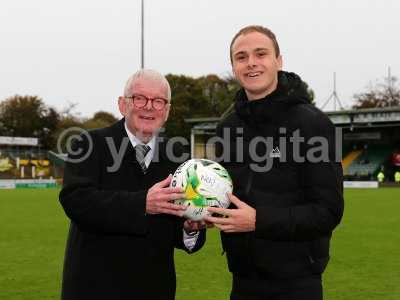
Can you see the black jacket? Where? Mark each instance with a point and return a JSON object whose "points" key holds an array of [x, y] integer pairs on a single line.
{"points": [[114, 250], [298, 204]]}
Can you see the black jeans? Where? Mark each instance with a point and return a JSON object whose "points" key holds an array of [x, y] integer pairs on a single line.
{"points": [[305, 288]]}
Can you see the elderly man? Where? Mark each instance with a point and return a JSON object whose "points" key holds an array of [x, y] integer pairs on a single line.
{"points": [[116, 192], [287, 178]]}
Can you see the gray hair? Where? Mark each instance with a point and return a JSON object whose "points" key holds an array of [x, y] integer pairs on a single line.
{"points": [[147, 74]]}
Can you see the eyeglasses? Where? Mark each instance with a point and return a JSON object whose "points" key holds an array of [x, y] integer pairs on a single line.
{"points": [[140, 101]]}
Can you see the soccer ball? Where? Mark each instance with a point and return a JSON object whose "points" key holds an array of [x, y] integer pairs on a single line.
{"points": [[205, 183]]}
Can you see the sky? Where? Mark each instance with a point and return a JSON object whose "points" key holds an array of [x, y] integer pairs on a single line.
{"points": [[82, 52]]}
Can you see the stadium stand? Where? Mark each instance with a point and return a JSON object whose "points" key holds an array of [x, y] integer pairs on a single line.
{"points": [[22, 158], [58, 161], [368, 162], [349, 158]]}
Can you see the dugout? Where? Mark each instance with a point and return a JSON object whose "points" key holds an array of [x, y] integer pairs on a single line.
{"points": [[23, 158]]}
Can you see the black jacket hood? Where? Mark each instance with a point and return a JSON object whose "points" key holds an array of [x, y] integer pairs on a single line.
{"points": [[291, 90]]}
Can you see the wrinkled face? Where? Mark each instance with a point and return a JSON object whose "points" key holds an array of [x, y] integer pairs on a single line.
{"points": [[255, 64], [145, 121]]}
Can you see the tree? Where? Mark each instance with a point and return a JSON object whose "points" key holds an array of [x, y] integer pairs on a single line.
{"points": [[220, 93], [106, 117], [381, 94], [186, 102], [100, 119], [206, 96], [28, 116]]}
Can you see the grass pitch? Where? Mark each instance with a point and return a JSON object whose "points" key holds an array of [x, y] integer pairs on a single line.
{"points": [[365, 261]]}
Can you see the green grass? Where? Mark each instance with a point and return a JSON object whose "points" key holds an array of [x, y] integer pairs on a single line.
{"points": [[32, 237], [365, 250]]}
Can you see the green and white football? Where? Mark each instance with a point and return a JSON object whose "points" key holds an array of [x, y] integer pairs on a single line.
{"points": [[206, 183]]}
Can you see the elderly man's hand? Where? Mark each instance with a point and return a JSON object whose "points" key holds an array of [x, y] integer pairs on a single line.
{"points": [[191, 226], [159, 197], [242, 219]]}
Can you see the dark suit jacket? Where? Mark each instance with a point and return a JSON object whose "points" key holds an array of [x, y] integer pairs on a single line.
{"points": [[114, 250]]}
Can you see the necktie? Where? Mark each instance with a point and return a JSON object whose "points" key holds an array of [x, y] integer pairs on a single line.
{"points": [[141, 152]]}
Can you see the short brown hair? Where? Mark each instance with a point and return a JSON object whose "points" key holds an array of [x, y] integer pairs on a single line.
{"points": [[264, 30]]}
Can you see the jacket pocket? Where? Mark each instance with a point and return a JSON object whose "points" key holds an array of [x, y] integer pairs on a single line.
{"points": [[318, 265], [236, 247], [282, 259]]}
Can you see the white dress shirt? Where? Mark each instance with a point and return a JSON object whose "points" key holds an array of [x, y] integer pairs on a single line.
{"points": [[134, 141]]}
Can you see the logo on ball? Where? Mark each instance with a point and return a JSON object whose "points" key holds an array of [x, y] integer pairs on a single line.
{"points": [[205, 183]]}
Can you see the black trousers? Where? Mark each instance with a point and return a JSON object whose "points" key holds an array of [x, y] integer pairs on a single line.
{"points": [[305, 288]]}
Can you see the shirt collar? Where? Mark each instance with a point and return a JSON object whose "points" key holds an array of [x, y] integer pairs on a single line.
{"points": [[134, 141]]}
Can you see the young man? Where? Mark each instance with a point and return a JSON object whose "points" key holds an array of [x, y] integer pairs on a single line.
{"points": [[116, 193], [287, 179]]}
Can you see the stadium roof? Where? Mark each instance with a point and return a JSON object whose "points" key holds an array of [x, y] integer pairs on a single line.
{"points": [[366, 116], [18, 141]]}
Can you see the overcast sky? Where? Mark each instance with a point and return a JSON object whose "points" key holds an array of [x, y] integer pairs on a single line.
{"points": [[83, 51]]}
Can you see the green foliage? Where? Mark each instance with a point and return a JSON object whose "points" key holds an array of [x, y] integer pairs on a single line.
{"points": [[364, 251], [105, 117], [184, 101], [28, 116], [206, 96], [99, 120]]}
